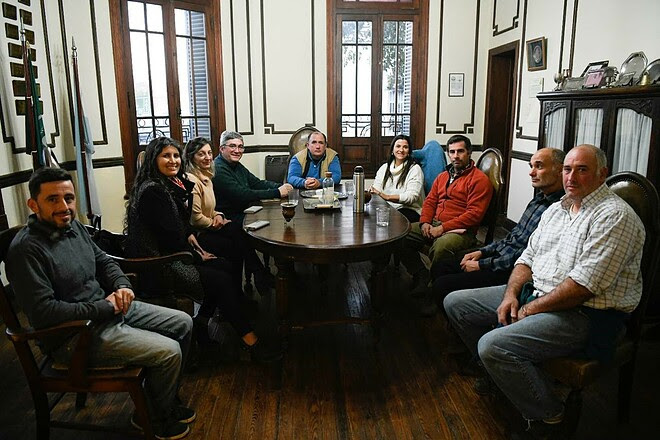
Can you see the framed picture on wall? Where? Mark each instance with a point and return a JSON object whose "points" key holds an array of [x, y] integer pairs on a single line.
{"points": [[456, 84], [536, 54]]}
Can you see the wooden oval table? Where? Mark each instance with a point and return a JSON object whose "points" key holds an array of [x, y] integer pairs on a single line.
{"points": [[327, 237]]}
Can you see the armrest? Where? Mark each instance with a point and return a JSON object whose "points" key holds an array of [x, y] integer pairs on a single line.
{"points": [[25, 334], [78, 364], [137, 265]]}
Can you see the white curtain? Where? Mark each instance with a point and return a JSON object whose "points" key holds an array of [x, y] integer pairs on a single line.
{"points": [[632, 142], [555, 124], [588, 126]]}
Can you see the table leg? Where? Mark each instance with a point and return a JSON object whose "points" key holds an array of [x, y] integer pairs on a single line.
{"points": [[284, 269], [378, 280]]}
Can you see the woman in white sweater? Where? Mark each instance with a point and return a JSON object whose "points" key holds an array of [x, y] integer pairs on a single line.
{"points": [[400, 181]]}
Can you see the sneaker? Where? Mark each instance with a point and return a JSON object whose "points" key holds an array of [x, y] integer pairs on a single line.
{"points": [[183, 414], [167, 430], [540, 430]]}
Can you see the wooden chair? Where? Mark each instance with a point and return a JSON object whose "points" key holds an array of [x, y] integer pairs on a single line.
{"points": [[113, 245], [491, 163], [299, 139], [578, 373], [46, 377]]}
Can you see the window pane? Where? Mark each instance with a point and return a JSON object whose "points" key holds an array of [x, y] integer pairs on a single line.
{"points": [[158, 73], [348, 31], [364, 80], [348, 79], [193, 127], [405, 32], [181, 22], [193, 82], [136, 16], [348, 126], [389, 32], [154, 18], [150, 128], [363, 126], [197, 24], [389, 79], [364, 32], [140, 74]]}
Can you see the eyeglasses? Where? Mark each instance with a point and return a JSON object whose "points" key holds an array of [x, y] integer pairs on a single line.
{"points": [[235, 147]]}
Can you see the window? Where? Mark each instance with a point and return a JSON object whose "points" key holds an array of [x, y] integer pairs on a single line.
{"points": [[379, 65], [166, 72]]}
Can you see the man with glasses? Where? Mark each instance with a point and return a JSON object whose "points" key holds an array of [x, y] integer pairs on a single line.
{"points": [[235, 187]]}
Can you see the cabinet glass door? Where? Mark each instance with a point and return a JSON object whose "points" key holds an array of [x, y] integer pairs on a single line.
{"points": [[588, 126], [555, 127], [632, 142]]}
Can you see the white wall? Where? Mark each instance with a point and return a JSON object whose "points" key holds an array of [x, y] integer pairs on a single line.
{"points": [[294, 93], [604, 30]]}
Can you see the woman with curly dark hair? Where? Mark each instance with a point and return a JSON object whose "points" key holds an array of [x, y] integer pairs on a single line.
{"points": [[158, 222]]}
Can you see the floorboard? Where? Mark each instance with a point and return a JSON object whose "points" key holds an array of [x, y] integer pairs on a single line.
{"points": [[338, 384]]}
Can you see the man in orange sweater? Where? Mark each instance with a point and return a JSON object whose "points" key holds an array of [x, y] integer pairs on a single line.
{"points": [[451, 213]]}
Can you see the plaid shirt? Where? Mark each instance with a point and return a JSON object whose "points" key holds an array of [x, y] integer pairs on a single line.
{"points": [[502, 254], [599, 247]]}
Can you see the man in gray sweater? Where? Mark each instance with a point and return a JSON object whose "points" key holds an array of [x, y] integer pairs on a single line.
{"points": [[58, 274]]}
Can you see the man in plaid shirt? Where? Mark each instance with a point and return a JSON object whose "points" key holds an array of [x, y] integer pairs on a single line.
{"points": [[570, 292], [492, 264]]}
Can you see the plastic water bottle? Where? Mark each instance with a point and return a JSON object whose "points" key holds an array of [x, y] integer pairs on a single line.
{"points": [[328, 197]]}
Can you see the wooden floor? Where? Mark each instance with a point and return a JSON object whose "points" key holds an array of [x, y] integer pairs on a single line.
{"points": [[336, 384]]}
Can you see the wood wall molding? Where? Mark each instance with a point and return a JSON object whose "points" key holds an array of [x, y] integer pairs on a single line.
{"points": [[269, 127], [19, 177], [521, 155], [514, 20], [522, 63], [249, 66], [468, 127], [97, 65], [9, 138]]}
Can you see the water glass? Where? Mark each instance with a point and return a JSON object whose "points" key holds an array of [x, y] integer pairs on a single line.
{"points": [[349, 188], [383, 216]]}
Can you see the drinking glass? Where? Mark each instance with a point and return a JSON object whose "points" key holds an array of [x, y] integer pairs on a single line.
{"points": [[349, 188], [383, 216]]}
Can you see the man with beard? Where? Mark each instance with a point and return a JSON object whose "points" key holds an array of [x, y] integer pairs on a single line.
{"points": [[451, 213]]}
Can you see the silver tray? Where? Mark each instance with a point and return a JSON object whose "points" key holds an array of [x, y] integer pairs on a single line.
{"points": [[312, 193], [653, 69], [315, 204], [635, 63]]}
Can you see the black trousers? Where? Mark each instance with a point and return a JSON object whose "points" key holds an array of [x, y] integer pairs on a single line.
{"points": [[448, 277]]}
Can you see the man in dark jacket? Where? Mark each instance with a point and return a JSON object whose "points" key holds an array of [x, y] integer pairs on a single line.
{"points": [[58, 274], [235, 187]]}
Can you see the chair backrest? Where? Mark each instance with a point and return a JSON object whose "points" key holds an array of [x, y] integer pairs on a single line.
{"points": [[299, 139], [139, 160], [491, 162], [642, 196], [6, 309], [432, 159]]}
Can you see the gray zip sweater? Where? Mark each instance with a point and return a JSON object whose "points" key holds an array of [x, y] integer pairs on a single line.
{"points": [[61, 275]]}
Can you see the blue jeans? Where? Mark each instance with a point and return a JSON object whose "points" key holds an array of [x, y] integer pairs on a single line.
{"points": [[150, 336], [511, 354]]}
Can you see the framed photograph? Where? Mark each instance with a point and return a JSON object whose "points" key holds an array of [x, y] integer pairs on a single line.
{"points": [[596, 65], [456, 84], [536, 54], [594, 79]]}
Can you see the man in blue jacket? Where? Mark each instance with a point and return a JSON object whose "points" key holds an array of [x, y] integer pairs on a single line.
{"points": [[308, 167]]}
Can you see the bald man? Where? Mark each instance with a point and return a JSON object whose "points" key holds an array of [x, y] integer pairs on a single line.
{"points": [[570, 292], [492, 264]]}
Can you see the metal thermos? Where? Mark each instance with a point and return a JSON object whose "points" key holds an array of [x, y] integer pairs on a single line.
{"points": [[358, 182]]}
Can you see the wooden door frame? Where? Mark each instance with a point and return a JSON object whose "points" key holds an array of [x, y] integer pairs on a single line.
{"points": [[419, 8], [124, 75], [514, 47]]}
